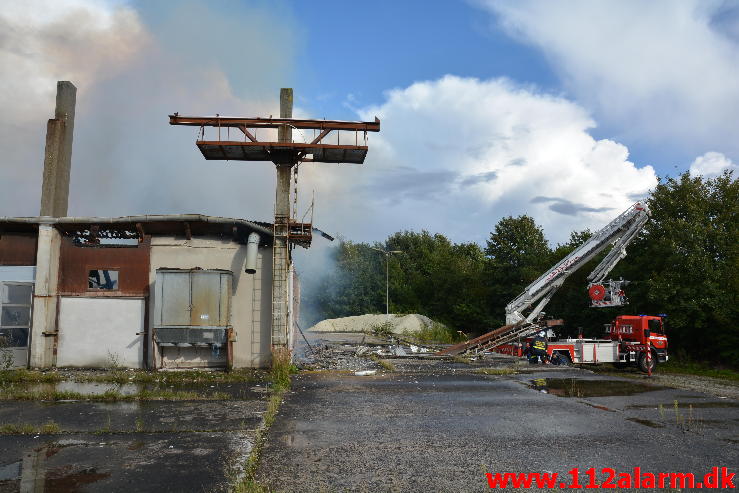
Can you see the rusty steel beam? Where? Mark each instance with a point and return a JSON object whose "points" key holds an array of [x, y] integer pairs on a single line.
{"points": [[247, 133], [321, 136], [218, 121], [278, 145]]}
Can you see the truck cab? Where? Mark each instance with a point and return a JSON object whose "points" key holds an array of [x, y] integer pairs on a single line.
{"points": [[640, 332]]}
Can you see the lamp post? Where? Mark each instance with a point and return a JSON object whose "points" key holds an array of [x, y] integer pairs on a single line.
{"points": [[387, 277]]}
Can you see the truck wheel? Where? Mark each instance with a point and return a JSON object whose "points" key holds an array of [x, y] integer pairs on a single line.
{"points": [[642, 362]]}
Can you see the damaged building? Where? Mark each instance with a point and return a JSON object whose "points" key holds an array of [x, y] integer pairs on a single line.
{"points": [[181, 291]]}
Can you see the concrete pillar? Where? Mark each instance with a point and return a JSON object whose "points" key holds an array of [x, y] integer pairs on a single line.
{"points": [[45, 298], [281, 250], [58, 154]]}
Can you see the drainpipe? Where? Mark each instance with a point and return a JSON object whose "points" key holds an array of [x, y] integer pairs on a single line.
{"points": [[252, 246]]}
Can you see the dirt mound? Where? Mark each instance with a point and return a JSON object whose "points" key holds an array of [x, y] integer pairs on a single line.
{"points": [[398, 324]]}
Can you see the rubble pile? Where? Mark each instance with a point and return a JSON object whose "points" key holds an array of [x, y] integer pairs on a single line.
{"points": [[358, 357]]}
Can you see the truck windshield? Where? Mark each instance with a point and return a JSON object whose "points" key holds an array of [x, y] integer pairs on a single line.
{"points": [[655, 326]]}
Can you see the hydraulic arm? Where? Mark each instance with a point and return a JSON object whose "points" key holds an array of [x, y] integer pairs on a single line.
{"points": [[619, 233]]}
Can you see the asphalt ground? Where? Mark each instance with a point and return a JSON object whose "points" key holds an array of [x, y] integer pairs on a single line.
{"points": [[127, 446], [438, 426]]}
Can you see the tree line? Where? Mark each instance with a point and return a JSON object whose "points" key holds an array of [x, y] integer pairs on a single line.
{"points": [[684, 264]]}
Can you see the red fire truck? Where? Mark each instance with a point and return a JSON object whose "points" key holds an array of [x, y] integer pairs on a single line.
{"points": [[625, 343], [638, 340]]}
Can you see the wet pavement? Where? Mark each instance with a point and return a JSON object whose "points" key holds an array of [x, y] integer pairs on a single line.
{"points": [[136, 445], [440, 426]]}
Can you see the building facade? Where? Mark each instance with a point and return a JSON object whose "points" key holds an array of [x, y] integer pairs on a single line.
{"points": [[185, 291]]}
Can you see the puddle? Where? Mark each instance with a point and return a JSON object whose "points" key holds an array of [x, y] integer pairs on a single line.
{"points": [[574, 387], [646, 422], [65, 479]]}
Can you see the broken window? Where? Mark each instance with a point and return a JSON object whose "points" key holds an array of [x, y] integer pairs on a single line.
{"points": [[102, 279]]}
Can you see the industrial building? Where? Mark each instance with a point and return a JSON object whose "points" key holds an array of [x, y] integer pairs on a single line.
{"points": [[137, 292]]}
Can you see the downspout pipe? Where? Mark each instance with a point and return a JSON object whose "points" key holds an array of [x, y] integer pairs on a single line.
{"points": [[252, 247]]}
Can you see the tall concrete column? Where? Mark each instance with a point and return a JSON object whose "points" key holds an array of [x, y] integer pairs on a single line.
{"points": [[58, 154], [281, 249], [45, 298]]}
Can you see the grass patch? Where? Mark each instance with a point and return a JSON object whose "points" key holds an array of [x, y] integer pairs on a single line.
{"points": [[174, 377], [110, 395], [385, 329], [282, 368], [461, 359], [697, 368], [48, 428], [385, 364], [179, 377], [496, 371], [438, 333], [29, 376]]}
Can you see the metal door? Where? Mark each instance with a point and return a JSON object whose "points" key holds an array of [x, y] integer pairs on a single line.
{"points": [[192, 298], [16, 300]]}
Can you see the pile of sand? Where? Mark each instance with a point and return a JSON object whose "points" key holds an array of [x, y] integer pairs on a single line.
{"points": [[400, 324]]}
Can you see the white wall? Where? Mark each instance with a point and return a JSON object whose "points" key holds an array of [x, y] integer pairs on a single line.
{"points": [[250, 301], [96, 332]]}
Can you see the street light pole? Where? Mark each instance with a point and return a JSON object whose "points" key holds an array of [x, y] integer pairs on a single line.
{"points": [[387, 277]]}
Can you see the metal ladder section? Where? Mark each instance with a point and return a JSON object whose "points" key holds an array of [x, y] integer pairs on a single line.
{"points": [[493, 339], [280, 260]]}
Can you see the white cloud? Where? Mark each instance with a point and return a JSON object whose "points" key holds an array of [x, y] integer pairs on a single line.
{"points": [[457, 154], [711, 165], [130, 76], [661, 72], [454, 155]]}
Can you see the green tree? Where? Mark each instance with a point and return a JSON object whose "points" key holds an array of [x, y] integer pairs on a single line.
{"points": [[685, 264], [517, 254]]}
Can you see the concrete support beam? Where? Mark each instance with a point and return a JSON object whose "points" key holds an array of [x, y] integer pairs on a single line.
{"points": [[45, 298], [281, 248], [58, 154]]}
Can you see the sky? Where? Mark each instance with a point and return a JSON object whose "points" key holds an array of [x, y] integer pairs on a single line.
{"points": [[568, 111]]}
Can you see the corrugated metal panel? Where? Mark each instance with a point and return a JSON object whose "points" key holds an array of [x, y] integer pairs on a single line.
{"points": [[206, 294], [132, 264], [192, 298], [173, 298], [18, 249]]}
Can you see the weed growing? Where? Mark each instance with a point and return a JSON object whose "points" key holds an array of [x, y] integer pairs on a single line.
{"points": [[462, 359], [282, 368], [438, 333], [48, 428], [384, 329], [21, 394], [496, 371], [385, 364]]}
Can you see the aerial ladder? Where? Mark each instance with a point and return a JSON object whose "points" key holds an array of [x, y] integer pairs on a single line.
{"points": [[521, 318]]}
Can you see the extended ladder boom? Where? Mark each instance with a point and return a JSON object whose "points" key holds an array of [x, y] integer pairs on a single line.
{"points": [[618, 232]]}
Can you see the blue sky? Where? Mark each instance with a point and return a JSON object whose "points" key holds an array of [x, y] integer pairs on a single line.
{"points": [[564, 110]]}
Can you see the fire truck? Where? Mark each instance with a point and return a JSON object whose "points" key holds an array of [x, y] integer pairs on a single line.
{"points": [[628, 340]]}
